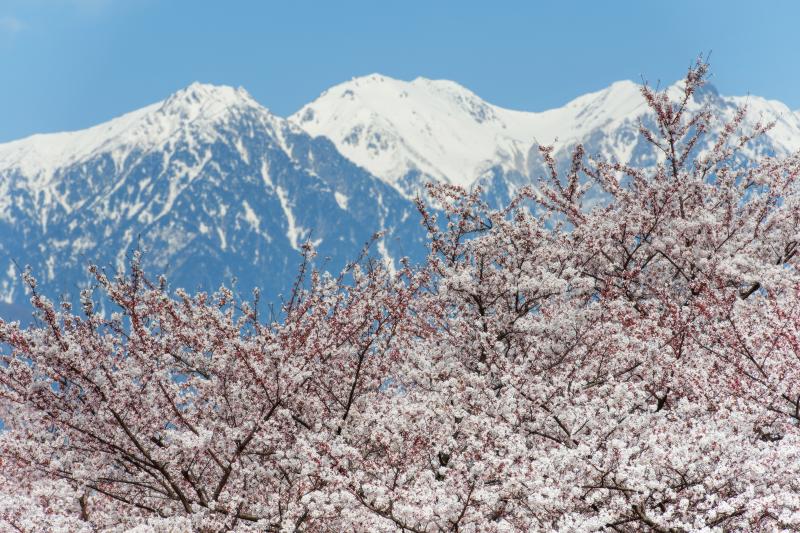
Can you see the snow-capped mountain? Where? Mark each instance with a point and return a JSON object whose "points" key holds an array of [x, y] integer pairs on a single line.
{"points": [[209, 183], [441, 130], [215, 187], [408, 133]]}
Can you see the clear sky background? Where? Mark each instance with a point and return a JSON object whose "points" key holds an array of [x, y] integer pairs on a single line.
{"points": [[69, 64]]}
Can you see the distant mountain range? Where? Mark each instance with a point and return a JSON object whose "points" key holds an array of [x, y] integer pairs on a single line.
{"points": [[213, 187], [408, 133]]}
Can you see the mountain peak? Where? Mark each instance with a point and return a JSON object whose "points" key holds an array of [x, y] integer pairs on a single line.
{"points": [[197, 105], [199, 92], [624, 86], [375, 87], [375, 77], [204, 98], [393, 127], [442, 85], [442, 130], [618, 93], [367, 81], [437, 129]]}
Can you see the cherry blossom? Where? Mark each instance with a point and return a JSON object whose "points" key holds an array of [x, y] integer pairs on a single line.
{"points": [[556, 365]]}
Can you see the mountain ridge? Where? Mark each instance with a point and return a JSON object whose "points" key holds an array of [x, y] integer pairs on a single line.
{"points": [[208, 182], [215, 187], [380, 136], [40, 153]]}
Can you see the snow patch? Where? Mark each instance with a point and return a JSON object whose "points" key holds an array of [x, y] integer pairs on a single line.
{"points": [[265, 175], [250, 216], [177, 185], [242, 151], [223, 243], [342, 200], [294, 233]]}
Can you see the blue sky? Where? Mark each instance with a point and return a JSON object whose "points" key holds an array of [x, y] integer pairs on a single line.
{"points": [[68, 64]]}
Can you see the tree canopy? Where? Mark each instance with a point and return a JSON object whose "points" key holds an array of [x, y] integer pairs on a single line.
{"points": [[553, 366]]}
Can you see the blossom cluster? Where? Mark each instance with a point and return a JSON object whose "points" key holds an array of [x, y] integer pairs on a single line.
{"points": [[629, 366]]}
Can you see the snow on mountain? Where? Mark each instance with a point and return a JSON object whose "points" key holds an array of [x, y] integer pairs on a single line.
{"points": [[409, 132], [38, 162], [191, 108], [442, 130], [214, 187], [785, 134], [211, 184]]}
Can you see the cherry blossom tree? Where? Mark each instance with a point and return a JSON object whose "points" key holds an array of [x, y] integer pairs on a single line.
{"points": [[192, 407], [557, 365]]}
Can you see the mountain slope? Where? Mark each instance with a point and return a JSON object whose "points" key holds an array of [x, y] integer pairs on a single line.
{"points": [[210, 184], [410, 132], [214, 187]]}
